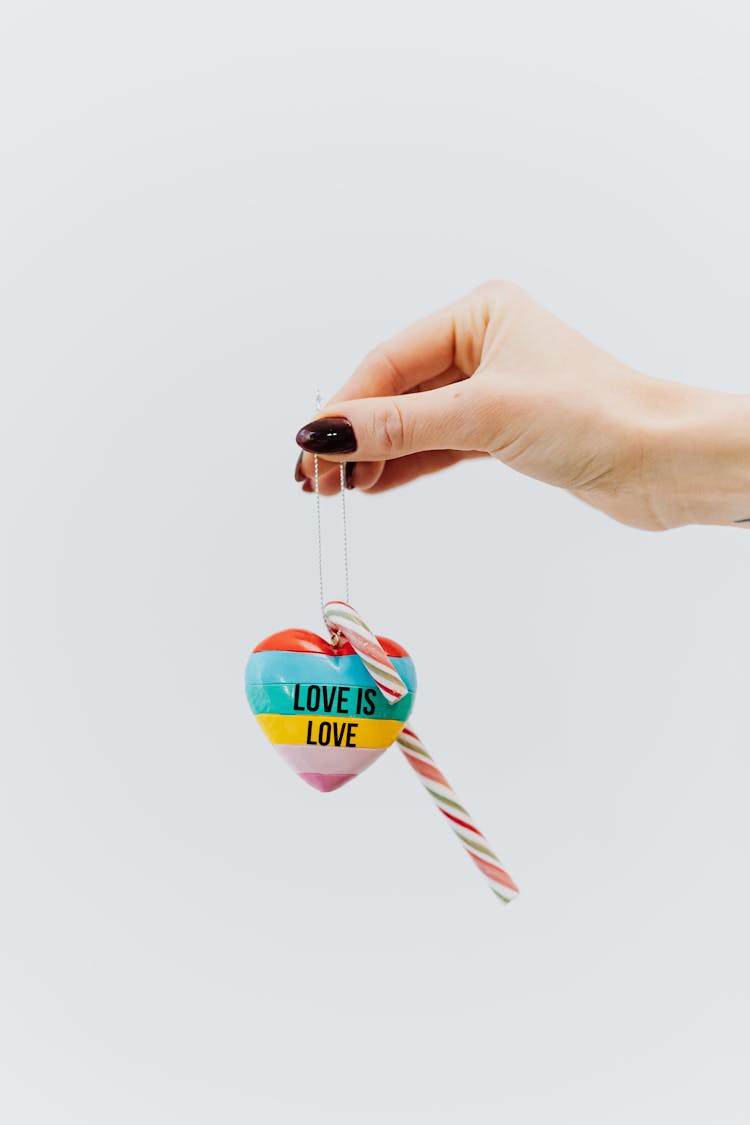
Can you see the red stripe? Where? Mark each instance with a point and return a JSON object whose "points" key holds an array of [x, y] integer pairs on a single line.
{"points": [[463, 823], [390, 690], [302, 640], [425, 769], [495, 873]]}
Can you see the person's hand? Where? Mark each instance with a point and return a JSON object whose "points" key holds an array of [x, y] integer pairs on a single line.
{"points": [[496, 374]]}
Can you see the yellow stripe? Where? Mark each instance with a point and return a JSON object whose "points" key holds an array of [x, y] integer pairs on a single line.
{"points": [[299, 730]]}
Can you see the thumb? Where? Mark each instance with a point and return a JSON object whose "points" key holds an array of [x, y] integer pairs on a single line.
{"points": [[381, 429]]}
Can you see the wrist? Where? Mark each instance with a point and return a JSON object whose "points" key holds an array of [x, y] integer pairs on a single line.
{"points": [[697, 456]]}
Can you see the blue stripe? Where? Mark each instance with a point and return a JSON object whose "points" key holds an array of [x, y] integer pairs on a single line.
{"points": [[317, 668]]}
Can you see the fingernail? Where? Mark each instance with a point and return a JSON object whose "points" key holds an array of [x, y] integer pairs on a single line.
{"points": [[328, 435], [308, 486], [349, 473], [298, 474]]}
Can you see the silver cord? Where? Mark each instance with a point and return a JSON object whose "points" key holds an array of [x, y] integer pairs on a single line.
{"points": [[318, 405], [319, 537], [318, 531], [342, 486]]}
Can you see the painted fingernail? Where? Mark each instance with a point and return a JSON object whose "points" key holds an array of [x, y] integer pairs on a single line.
{"points": [[308, 486], [328, 435], [349, 473], [298, 474]]}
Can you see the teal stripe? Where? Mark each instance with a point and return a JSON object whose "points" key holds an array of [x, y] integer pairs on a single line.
{"points": [[317, 668], [278, 699]]}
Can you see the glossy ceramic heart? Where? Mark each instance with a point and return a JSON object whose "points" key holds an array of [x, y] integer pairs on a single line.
{"points": [[320, 707]]}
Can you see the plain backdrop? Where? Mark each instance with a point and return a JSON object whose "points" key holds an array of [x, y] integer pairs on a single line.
{"points": [[209, 210]]}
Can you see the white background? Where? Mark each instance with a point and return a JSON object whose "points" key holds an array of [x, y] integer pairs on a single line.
{"points": [[209, 209]]}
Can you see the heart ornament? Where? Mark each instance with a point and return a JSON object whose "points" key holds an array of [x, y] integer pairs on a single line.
{"points": [[321, 708]]}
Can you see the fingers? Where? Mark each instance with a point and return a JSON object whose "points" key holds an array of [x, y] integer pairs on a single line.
{"points": [[441, 350], [305, 468], [382, 429], [449, 338], [420, 352], [368, 472], [380, 476], [406, 469], [362, 475]]}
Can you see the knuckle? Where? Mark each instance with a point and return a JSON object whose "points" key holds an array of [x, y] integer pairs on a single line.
{"points": [[502, 290], [388, 374], [391, 430]]}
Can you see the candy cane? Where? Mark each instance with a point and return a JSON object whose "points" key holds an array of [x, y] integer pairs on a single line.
{"points": [[343, 620]]}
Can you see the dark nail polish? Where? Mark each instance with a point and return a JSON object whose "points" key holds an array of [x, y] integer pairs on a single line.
{"points": [[308, 486], [328, 435], [298, 474], [349, 474]]}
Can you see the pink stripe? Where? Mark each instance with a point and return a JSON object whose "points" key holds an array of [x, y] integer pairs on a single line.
{"points": [[328, 759], [327, 782]]}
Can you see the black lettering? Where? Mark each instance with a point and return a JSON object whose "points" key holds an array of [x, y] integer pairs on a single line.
{"points": [[313, 697], [339, 729], [370, 697], [296, 703], [324, 733], [310, 740], [351, 729]]}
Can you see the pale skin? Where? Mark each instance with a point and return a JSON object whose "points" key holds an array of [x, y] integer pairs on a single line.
{"points": [[497, 375]]}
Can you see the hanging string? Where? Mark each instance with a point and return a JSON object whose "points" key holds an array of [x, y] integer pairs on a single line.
{"points": [[318, 531], [342, 489], [319, 536]]}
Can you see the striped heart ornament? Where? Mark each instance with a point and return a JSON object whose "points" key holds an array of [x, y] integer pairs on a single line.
{"points": [[319, 704]]}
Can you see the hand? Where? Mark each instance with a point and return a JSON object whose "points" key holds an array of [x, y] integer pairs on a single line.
{"points": [[497, 375]]}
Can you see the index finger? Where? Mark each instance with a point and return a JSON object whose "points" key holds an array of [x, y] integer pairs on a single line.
{"points": [[420, 352]]}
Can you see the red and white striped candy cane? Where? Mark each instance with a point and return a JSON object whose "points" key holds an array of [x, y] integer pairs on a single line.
{"points": [[341, 618]]}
